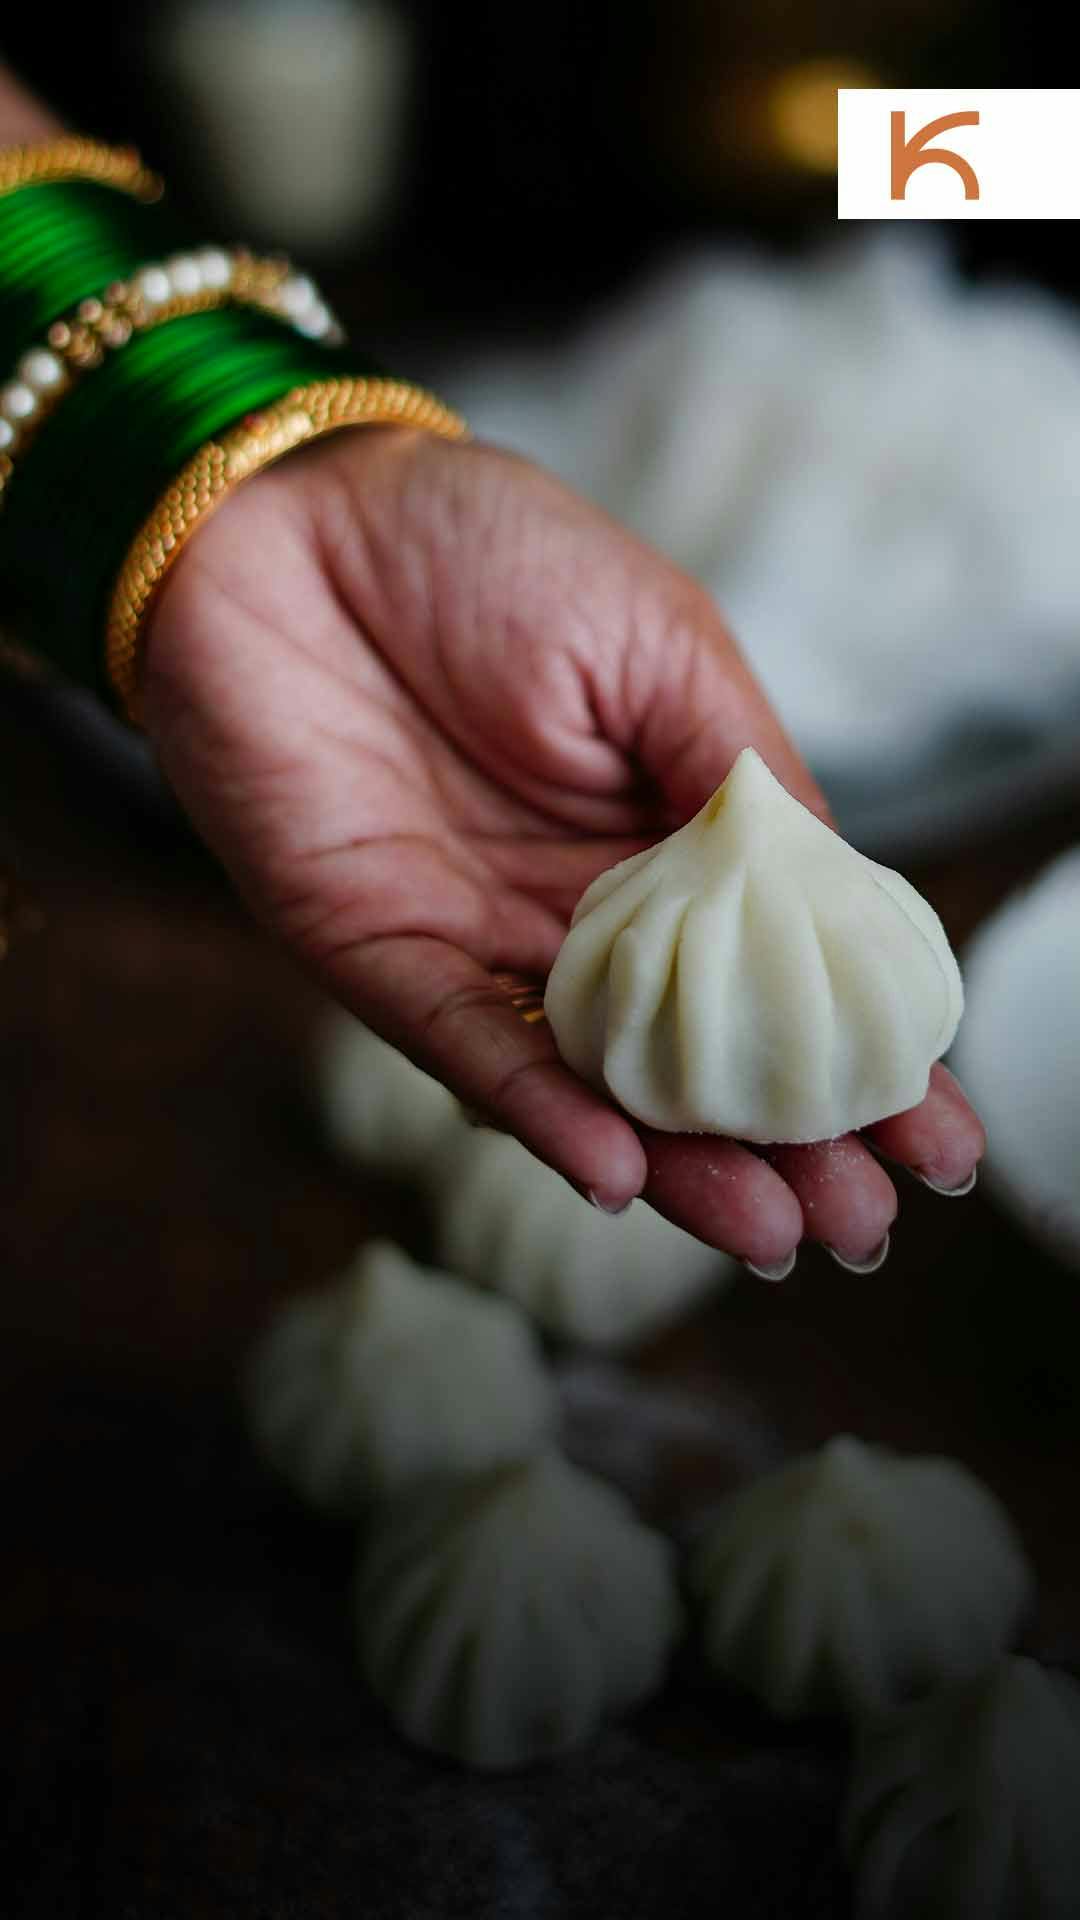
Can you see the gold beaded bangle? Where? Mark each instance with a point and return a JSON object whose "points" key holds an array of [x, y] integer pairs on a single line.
{"points": [[219, 466], [71, 157], [170, 290]]}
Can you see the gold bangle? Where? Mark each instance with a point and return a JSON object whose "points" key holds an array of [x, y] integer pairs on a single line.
{"points": [[525, 996], [71, 157], [218, 467]]}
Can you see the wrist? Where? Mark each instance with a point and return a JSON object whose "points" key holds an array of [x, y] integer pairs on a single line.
{"points": [[315, 490], [22, 117], [145, 400], [263, 436]]}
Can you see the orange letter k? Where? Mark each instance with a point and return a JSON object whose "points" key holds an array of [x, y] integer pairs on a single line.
{"points": [[908, 154]]}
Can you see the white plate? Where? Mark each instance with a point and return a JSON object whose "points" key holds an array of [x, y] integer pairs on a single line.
{"points": [[966, 788]]}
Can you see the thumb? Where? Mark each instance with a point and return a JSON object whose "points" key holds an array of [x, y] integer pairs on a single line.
{"points": [[700, 706]]}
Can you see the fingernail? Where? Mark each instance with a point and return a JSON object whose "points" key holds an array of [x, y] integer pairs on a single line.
{"points": [[950, 1193], [605, 1207], [870, 1265], [779, 1272]]}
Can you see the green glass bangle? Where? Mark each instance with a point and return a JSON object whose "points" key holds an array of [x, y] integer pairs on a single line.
{"points": [[97, 463], [58, 242], [97, 467], [169, 384]]}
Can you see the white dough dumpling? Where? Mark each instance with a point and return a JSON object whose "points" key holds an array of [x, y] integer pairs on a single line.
{"points": [[504, 1220], [390, 1374], [855, 1579], [380, 1109], [966, 1806], [754, 975], [502, 1619]]}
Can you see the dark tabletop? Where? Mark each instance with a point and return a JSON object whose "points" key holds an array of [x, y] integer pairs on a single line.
{"points": [[185, 1730]]}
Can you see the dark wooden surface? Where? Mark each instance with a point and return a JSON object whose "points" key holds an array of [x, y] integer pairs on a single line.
{"points": [[185, 1733]]}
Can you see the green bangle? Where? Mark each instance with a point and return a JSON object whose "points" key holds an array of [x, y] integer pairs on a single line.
{"points": [[59, 242], [93, 473], [87, 286], [161, 291]]}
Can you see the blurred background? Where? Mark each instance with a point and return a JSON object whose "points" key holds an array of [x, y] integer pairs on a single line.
{"points": [[607, 232], [474, 163]]}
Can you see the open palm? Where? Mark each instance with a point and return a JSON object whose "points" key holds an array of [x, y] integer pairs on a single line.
{"points": [[417, 696]]}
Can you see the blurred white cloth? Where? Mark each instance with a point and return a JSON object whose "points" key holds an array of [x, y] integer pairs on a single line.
{"points": [[871, 464], [1018, 1052]]}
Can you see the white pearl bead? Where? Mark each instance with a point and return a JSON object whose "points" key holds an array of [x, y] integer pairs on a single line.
{"points": [[185, 274], [215, 267], [41, 369], [314, 322], [18, 401], [7, 434], [296, 295], [152, 284]]}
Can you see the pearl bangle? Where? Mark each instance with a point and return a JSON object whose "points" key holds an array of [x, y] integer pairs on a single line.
{"points": [[186, 283]]}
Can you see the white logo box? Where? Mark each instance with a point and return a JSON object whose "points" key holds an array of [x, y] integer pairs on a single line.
{"points": [[1022, 155]]}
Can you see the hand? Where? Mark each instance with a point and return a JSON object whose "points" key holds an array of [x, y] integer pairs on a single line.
{"points": [[416, 696]]}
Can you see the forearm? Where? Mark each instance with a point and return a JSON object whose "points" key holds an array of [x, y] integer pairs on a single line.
{"points": [[132, 356], [22, 117], [126, 347]]}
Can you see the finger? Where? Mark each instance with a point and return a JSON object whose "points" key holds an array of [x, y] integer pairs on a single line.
{"points": [[848, 1201], [941, 1140], [446, 1012], [696, 704], [723, 1193]]}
